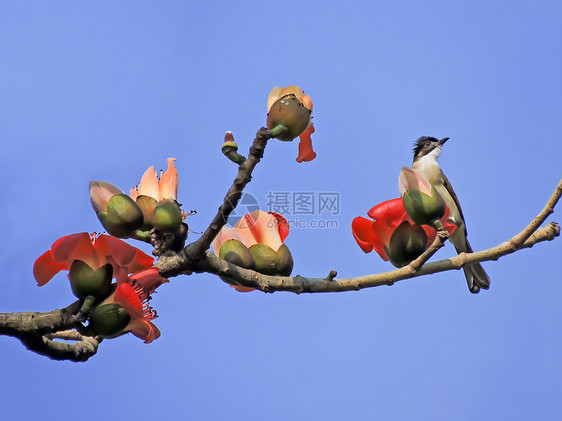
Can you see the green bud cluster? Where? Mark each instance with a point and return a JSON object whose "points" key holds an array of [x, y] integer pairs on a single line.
{"points": [[259, 257]]}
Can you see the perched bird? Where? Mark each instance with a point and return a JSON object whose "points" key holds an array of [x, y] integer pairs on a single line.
{"points": [[426, 152]]}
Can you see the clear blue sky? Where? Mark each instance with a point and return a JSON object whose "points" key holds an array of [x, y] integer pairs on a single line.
{"points": [[79, 103]]}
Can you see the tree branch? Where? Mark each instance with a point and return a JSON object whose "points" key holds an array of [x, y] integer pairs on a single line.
{"points": [[530, 236], [37, 330]]}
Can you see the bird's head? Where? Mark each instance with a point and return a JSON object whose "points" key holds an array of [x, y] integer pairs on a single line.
{"points": [[427, 145]]}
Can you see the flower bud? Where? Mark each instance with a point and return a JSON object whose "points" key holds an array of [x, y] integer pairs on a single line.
{"points": [[291, 113], [266, 259], [109, 320], [117, 212], [285, 264], [406, 244], [236, 252], [167, 216], [86, 281], [422, 201]]}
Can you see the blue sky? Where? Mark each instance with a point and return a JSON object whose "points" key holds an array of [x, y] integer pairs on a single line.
{"points": [[102, 91]]}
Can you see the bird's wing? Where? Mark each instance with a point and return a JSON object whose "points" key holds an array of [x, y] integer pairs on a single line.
{"points": [[449, 188]]}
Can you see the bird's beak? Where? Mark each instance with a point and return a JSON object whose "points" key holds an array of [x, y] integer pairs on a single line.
{"points": [[442, 141]]}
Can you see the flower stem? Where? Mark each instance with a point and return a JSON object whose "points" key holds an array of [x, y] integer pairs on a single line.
{"points": [[279, 130]]}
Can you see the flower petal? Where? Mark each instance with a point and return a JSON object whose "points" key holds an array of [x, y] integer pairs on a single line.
{"points": [[390, 212], [149, 185], [306, 153], [169, 182], [363, 233], [126, 296], [45, 267], [410, 179], [75, 247], [282, 225], [148, 279], [144, 330], [225, 234], [259, 227]]}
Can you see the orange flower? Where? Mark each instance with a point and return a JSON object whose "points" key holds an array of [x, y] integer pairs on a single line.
{"points": [[290, 109], [256, 242], [93, 250], [165, 188]]}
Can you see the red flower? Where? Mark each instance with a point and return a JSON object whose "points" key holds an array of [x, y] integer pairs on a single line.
{"points": [[93, 250], [387, 216], [133, 296]]}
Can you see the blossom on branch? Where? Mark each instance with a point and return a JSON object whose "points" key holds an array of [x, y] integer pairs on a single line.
{"points": [[393, 235], [94, 251], [127, 309], [289, 113], [157, 199], [256, 242]]}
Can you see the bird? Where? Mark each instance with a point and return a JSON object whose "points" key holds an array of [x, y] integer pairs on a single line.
{"points": [[426, 151]]}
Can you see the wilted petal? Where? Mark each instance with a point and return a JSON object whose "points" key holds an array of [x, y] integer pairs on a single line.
{"points": [[277, 93], [306, 153]]}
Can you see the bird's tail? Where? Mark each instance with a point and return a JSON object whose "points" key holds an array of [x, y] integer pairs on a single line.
{"points": [[476, 276]]}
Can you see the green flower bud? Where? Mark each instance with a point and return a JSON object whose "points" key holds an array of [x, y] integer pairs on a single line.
{"points": [[266, 259], [123, 216], [86, 281], [288, 111], [109, 320], [407, 243], [424, 209], [236, 252], [167, 216], [285, 265]]}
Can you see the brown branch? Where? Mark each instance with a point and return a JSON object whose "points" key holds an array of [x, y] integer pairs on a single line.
{"points": [[37, 330], [298, 284], [196, 250]]}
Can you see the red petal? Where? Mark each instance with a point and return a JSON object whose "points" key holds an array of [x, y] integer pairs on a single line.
{"points": [[306, 153], [148, 279], [363, 233], [390, 213], [46, 267], [122, 253], [146, 331], [282, 225], [240, 288], [126, 296], [75, 247]]}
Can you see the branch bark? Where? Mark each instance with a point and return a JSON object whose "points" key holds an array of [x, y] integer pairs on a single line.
{"points": [[530, 236], [37, 332]]}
